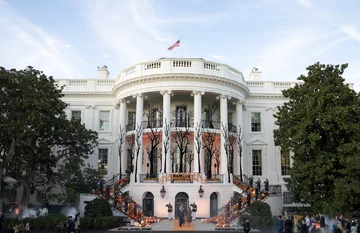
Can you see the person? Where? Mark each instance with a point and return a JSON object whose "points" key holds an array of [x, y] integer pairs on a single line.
{"points": [[308, 223], [246, 226], [69, 225], [194, 210], [322, 222], [227, 210], [170, 210], [266, 182], [2, 222], [288, 225], [258, 184], [77, 221], [353, 227], [189, 216], [240, 202], [248, 198], [251, 181], [181, 215], [303, 227], [280, 225]]}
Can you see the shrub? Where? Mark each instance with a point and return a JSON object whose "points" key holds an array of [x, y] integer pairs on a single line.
{"points": [[50, 223], [259, 214], [98, 208]]}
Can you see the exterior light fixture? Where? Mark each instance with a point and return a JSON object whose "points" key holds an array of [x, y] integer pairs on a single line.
{"points": [[162, 192], [201, 191]]}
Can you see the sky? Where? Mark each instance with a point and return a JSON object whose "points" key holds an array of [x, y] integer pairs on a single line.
{"points": [[71, 38]]}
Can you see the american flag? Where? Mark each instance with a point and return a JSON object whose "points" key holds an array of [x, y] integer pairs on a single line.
{"points": [[177, 44]]}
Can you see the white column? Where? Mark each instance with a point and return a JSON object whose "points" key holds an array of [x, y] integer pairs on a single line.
{"points": [[239, 127], [224, 122], [197, 129], [122, 122], [138, 144], [166, 123]]}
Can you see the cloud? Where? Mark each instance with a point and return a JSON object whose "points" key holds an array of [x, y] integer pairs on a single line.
{"points": [[352, 32], [104, 55], [220, 58], [305, 3], [23, 44], [67, 46]]}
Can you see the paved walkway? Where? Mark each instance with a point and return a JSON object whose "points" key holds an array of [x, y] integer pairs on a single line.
{"points": [[167, 225]]}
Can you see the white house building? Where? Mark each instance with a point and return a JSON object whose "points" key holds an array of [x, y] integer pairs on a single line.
{"points": [[199, 100], [181, 94]]}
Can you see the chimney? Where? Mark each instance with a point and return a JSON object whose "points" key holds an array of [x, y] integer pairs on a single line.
{"points": [[103, 72], [255, 74]]}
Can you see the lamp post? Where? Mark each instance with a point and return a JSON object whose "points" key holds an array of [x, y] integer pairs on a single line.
{"points": [[162, 192], [201, 192]]}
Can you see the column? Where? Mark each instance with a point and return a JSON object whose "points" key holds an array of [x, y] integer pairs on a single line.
{"points": [[166, 133], [197, 130], [239, 128], [122, 122], [224, 122], [139, 133]]}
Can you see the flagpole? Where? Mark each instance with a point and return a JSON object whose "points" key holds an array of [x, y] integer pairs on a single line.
{"points": [[180, 45]]}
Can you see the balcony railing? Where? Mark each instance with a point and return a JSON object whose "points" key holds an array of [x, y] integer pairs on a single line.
{"points": [[184, 123]]}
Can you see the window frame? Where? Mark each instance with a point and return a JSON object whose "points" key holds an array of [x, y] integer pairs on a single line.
{"points": [[251, 122], [100, 164], [261, 162], [109, 121]]}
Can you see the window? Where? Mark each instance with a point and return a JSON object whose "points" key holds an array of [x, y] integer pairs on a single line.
{"points": [[285, 164], [103, 161], [151, 116], [131, 121], [104, 121], [255, 122], [12, 196], [287, 198], [76, 115], [180, 116], [257, 163]]}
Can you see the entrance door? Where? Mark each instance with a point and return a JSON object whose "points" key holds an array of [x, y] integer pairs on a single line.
{"points": [[181, 198], [148, 204], [213, 205]]}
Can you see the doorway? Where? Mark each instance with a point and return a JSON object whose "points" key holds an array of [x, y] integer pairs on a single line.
{"points": [[213, 205], [181, 198], [148, 204]]}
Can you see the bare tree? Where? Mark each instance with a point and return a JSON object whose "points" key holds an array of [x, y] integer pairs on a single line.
{"points": [[217, 160], [189, 158], [232, 140], [198, 138], [225, 133], [138, 138], [239, 138], [172, 158], [159, 155], [130, 146], [210, 111], [122, 138], [166, 142], [154, 140], [182, 138], [209, 137]]}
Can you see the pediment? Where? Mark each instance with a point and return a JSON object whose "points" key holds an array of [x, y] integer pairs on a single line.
{"points": [[104, 141], [257, 142]]}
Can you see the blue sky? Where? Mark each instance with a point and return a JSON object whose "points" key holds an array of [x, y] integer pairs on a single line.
{"points": [[70, 38]]}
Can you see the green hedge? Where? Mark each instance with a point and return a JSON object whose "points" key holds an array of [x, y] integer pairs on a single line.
{"points": [[51, 222]]}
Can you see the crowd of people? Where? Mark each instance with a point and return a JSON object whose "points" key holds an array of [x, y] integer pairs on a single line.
{"points": [[317, 223]]}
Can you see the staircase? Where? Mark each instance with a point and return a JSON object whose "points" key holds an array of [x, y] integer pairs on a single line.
{"points": [[230, 212], [117, 199]]}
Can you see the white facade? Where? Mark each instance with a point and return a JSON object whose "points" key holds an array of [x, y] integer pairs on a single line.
{"points": [[172, 86]]}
